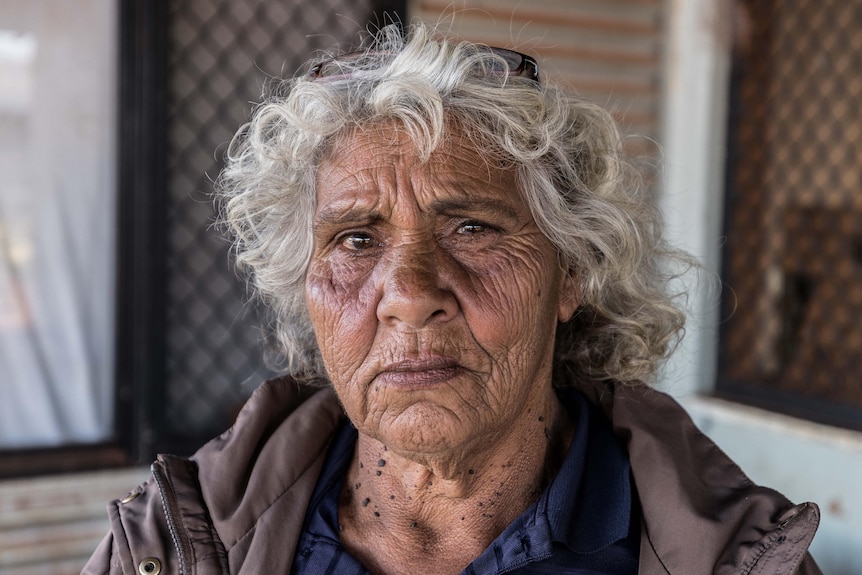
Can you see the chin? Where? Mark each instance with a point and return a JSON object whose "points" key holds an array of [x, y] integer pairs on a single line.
{"points": [[425, 428]]}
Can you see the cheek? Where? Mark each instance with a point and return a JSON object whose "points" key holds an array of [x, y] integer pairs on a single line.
{"points": [[512, 310], [341, 306], [513, 290]]}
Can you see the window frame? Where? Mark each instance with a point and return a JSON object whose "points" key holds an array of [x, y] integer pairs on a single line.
{"points": [[749, 390], [140, 222]]}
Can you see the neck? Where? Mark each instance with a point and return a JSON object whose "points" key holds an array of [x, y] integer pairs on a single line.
{"points": [[445, 509]]}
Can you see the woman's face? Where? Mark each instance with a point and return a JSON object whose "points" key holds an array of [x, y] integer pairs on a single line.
{"points": [[433, 294]]}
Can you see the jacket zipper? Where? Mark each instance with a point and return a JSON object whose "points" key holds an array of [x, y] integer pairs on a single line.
{"points": [[172, 515]]}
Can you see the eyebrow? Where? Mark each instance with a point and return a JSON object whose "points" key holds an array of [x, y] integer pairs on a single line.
{"points": [[357, 215], [335, 215], [471, 205]]}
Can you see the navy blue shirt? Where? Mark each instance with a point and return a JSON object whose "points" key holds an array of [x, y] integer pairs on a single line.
{"points": [[586, 522]]}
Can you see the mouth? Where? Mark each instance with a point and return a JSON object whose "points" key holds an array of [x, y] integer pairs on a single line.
{"points": [[419, 373]]}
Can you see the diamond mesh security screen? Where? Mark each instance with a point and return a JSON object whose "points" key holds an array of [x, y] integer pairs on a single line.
{"points": [[222, 52], [793, 265]]}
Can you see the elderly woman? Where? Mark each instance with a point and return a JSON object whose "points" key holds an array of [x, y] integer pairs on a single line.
{"points": [[468, 301]]}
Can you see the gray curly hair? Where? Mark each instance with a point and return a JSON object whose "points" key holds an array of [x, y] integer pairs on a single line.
{"points": [[567, 153]]}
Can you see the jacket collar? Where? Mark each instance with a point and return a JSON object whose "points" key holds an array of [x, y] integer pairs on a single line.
{"points": [[701, 513], [259, 475]]}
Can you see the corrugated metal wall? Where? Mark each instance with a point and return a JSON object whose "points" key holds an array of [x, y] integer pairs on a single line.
{"points": [[51, 525], [609, 51]]}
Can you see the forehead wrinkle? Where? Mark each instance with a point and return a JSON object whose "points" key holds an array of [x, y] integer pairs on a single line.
{"points": [[353, 194], [372, 185], [472, 188]]}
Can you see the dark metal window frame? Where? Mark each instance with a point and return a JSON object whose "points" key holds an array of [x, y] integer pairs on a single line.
{"points": [[142, 222]]}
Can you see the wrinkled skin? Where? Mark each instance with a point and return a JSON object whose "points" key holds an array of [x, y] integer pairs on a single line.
{"points": [[434, 298], [433, 293]]}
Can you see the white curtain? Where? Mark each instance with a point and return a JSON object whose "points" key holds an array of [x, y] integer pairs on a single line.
{"points": [[57, 217]]}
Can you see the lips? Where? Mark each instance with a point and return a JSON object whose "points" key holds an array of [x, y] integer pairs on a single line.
{"points": [[418, 373]]}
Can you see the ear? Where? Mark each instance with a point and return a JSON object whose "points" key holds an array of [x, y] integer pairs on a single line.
{"points": [[570, 296]]}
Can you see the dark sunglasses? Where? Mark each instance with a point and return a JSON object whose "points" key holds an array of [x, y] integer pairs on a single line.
{"points": [[517, 65]]}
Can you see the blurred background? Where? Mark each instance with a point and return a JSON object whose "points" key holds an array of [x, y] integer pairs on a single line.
{"points": [[124, 330]]}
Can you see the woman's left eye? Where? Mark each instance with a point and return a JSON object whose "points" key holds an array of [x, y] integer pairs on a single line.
{"points": [[356, 241], [471, 228]]}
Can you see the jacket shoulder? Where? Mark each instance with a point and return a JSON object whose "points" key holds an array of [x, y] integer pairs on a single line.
{"points": [[784, 549], [172, 520], [701, 513]]}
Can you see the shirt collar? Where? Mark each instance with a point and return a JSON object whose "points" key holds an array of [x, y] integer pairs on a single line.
{"points": [[587, 505], [589, 502]]}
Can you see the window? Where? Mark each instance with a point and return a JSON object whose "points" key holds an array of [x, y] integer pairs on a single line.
{"points": [[113, 118], [793, 260], [57, 226]]}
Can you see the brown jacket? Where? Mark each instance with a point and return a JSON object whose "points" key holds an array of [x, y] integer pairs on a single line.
{"points": [[237, 506]]}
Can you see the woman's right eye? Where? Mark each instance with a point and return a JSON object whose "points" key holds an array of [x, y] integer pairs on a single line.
{"points": [[356, 241]]}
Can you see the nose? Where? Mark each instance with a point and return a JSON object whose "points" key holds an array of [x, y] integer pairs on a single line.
{"points": [[414, 289]]}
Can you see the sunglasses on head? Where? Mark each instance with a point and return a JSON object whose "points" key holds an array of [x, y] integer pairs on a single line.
{"points": [[341, 67]]}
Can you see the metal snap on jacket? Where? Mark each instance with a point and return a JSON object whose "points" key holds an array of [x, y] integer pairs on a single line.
{"points": [[130, 497], [150, 566]]}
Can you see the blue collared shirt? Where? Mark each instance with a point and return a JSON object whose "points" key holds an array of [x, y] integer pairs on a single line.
{"points": [[586, 522]]}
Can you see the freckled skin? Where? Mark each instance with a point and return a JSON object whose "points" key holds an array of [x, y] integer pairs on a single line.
{"points": [[434, 298]]}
